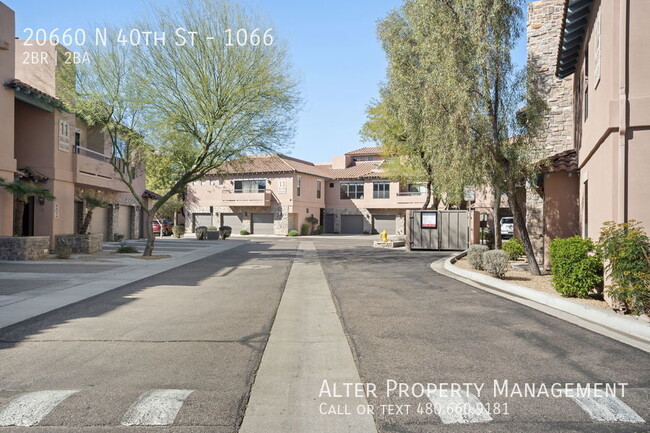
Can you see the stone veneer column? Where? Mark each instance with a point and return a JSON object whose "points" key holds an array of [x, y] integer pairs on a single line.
{"points": [[543, 37]]}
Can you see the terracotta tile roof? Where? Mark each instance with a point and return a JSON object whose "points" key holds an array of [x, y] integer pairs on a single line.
{"points": [[360, 170], [25, 88], [270, 163], [563, 161], [365, 151]]}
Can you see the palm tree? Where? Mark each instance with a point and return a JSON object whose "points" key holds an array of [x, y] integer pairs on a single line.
{"points": [[22, 191], [91, 202]]}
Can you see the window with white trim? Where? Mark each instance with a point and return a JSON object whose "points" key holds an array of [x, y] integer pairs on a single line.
{"points": [[353, 190]]}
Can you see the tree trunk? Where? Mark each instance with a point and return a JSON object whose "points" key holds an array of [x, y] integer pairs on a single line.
{"points": [[84, 227], [18, 217], [520, 221], [426, 202], [151, 238], [497, 224]]}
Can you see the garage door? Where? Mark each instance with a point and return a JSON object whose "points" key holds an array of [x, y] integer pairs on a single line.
{"points": [[124, 221], [384, 222], [99, 222], [329, 223], [352, 224], [263, 223], [232, 220], [202, 219]]}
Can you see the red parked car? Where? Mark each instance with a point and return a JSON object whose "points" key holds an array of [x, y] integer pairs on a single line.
{"points": [[166, 227]]}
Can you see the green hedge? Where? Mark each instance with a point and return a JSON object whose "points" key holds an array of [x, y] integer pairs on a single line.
{"points": [[293, 233], [514, 247], [576, 269]]}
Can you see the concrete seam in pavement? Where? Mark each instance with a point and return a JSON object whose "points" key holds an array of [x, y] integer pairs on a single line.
{"points": [[78, 290], [307, 346], [610, 324]]}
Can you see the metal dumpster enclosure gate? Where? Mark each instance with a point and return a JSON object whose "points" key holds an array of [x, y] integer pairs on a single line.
{"points": [[438, 229]]}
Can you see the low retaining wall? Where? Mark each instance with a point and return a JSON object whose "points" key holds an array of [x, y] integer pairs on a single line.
{"points": [[82, 244], [24, 248]]}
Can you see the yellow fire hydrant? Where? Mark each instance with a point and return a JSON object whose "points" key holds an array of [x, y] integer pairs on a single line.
{"points": [[384, 236]]}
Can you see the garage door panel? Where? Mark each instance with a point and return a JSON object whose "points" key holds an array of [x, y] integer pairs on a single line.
{"points": [[202, 219], [99, 222], [124, 221], [233, 221], [263, 223], [384, 222], [352, 224]]}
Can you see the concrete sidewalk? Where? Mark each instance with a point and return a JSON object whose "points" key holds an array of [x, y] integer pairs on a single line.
{"points": [[54, 284], [307, 346]]}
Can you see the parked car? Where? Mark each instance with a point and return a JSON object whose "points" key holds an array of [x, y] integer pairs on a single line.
{"points": [[507, 227], [166, 225]]}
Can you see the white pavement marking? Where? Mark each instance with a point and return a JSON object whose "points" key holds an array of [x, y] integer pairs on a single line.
{"points": [[307, 346], [157, 407], [604, 407], [458, 407], [29, 409]]}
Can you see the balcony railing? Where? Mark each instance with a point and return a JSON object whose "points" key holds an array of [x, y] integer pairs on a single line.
{"points": [[79, 150], [239, 198]]}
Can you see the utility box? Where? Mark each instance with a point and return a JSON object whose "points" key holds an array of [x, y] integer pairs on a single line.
{"points": [[438, 229]]}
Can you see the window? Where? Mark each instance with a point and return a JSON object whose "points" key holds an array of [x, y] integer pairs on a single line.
{"points": [[318, 188], [416, 189], [371, 158], [248, 186], [331, 184], [77, 138], [381, 190], [352, 190], [298, 186]]}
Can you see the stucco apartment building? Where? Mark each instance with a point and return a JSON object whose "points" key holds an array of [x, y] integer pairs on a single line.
{"points": [[42, 143], [274, 193], [592, 56]]}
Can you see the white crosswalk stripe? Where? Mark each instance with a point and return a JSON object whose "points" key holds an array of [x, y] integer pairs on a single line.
{"points": [[157, 407], [29, 409], [458, 407], [604, 407]]}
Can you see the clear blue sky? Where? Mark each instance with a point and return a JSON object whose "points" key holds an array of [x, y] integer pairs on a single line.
{"points": [[333, 46]]}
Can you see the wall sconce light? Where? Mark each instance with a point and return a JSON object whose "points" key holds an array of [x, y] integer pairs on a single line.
{"points": [[41, 200]]}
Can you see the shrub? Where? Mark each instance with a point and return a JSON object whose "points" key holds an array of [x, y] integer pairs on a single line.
{"points": [[244, 232], [125, 248], [304, 230], [118, 237], [225, 231], [213, 228], [319, 230], [201, 232], [178, 231], [475, 255], [626, 248], [514, 248], [293, 233], [63, 250], [576, 269], [496, 262]]}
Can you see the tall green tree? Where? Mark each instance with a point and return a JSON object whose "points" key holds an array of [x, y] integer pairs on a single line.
{"points": [[22, 192], [194, 102], [471, 96]]}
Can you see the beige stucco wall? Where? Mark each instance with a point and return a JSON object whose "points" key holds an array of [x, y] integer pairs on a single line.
{"points": [[623, 90], [7, 159], [562, 194]]}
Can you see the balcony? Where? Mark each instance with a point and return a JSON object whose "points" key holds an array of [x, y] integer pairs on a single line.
{"points": [[411, 199], [94, 168], [236, 198]]}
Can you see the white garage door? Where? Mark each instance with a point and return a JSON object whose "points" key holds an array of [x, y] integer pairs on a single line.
{"points": [[232, 220], [383, 222], [202, 219], [99, 222], [124, 222], [352, 224], [263, 224]]}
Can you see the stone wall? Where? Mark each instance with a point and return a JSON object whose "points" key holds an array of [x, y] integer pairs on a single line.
{"points": [[543, 37], [24, 248], [82, 244]]}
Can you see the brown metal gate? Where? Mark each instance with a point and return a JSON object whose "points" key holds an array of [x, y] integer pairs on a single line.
{"points": [[438, 229]]}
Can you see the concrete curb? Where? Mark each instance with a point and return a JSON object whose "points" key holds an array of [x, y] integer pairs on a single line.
{"points": [[625, 325], [73, 291]]}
